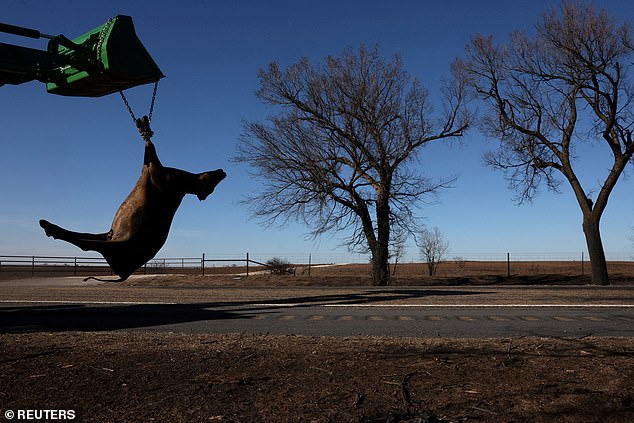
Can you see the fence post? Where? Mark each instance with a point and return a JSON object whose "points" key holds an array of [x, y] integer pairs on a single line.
{"points": [[508, 265], [33, 266], [202, 264], [247, 264], [582, 263], [309, 262], [75, 273]]}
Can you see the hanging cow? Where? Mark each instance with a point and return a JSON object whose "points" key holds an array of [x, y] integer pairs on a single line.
{"points": [[141, 225]]}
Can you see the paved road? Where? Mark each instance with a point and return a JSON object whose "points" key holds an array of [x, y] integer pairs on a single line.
{"points": [[446, 312]]}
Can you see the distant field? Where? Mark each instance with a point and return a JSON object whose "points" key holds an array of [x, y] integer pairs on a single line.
{"points": [[449, 273], [488, 272]]}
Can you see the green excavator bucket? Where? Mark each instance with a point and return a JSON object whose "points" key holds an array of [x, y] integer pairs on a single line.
{"points": [[108, 59], [111, 59]]}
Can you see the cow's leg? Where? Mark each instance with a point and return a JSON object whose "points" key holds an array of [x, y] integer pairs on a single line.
{"points": [[120, 255], [85, 241]]}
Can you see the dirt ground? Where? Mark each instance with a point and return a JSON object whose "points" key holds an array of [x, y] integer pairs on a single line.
{"points": [[175, 377], [170, 377]]}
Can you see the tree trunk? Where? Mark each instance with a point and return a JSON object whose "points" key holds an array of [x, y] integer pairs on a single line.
{"points": [[431, 267], [595, 250], [380, 270], [381, 253]]}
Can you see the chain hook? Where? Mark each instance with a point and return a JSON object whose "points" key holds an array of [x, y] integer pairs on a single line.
{"points": [[143, 124]]}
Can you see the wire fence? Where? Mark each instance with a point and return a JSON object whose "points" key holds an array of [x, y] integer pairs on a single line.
{"points": [[455, 264], [92, 266]]}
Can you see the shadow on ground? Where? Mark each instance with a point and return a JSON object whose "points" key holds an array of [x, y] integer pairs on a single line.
{"points": [[113, 316]]}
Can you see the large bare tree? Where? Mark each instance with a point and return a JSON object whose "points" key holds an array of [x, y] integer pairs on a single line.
{"points": [[340, 151], [568, 83]]}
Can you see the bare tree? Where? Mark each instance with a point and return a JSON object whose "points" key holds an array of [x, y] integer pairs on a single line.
{"points": [[569, 83], [397, 248], [433, 248], [340, 152]]}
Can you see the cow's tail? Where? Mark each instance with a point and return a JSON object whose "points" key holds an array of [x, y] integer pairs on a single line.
{"points": [[104, 280]]}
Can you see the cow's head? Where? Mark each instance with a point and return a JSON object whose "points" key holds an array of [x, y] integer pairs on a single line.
{"points": [[207, 181]]}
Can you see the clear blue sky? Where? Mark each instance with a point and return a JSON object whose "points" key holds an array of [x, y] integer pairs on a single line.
{"points": [[73, 160]]}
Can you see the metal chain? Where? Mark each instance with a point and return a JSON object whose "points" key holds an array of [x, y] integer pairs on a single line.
{"points": [[146, 133], [127, 105], [152, 103], [102, 37]]}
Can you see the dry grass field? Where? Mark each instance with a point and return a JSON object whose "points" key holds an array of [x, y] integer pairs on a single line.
{"points": [[405, 274], [449, 274], [487, 272]]}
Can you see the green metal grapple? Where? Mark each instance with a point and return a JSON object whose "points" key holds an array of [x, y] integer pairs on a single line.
{"points": [[107, 59]]}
